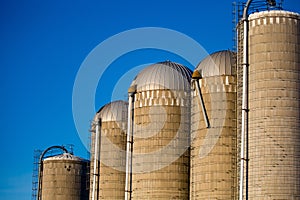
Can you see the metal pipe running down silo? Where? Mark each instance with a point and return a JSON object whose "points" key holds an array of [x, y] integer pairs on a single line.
{"points": [[196, 77], [129, 145], [245, 109], [97, 149]]}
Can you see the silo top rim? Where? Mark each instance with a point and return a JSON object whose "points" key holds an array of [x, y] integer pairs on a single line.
{"points": [[65, 156], [272, 13]]}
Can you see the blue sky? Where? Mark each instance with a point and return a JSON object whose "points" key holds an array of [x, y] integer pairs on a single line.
{"points": [[43, 44]]}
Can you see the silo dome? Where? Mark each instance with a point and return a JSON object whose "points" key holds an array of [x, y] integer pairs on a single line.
{"points": [[163, 75], [218, 63], [111, 111]]}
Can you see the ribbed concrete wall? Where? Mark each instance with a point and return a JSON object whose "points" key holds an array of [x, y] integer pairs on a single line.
{"points": [[274, 98], [213, 150], [160, 148], [112, 166], [64, 180]]}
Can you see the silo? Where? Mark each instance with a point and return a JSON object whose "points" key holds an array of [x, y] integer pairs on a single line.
{"points": [[109, 125], [213, 143], [64, 177], [161, 130], [274, 96]]}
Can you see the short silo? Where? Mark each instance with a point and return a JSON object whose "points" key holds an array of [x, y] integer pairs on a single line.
{"points": [[213, 142], [109, 147], [161, 130], [274, 100], [64, 177]]}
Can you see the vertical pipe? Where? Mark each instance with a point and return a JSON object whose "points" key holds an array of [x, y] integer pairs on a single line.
{"points": [[245, 110], [202, 104], [129, 148], [99, 157], [96, 160]]}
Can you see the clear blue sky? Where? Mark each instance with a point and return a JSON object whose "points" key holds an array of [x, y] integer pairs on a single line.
{"points": [[43, 44]]}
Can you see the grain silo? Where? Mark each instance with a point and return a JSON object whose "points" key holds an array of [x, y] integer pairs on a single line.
{"points": [[160, 114], [274, 96], [109, 125], [64, 177], [213, 130]]}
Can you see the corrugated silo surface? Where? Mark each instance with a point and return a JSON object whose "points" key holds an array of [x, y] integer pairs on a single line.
{"points": [[214, 150], [64, 178], [161, 132], [112, 150], [274, 96]]}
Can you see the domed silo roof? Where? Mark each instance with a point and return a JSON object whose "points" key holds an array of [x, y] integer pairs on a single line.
{"points": [[218, 63], [163, 75], [115, 111]]}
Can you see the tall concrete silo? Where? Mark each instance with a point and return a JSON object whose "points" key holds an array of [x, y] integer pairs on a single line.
{"points": [[64, 177], [213, 130], [109, 149], [160, 96], [274, 101]]}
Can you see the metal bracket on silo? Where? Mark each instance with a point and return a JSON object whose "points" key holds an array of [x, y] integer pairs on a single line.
{"points": [[196, 77]]}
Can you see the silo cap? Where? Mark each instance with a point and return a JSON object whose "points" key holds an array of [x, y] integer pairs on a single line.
{"points": [[65, 156], [113, 112], [165, 75], [218, 63], [132, 89], [196, 75]]}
